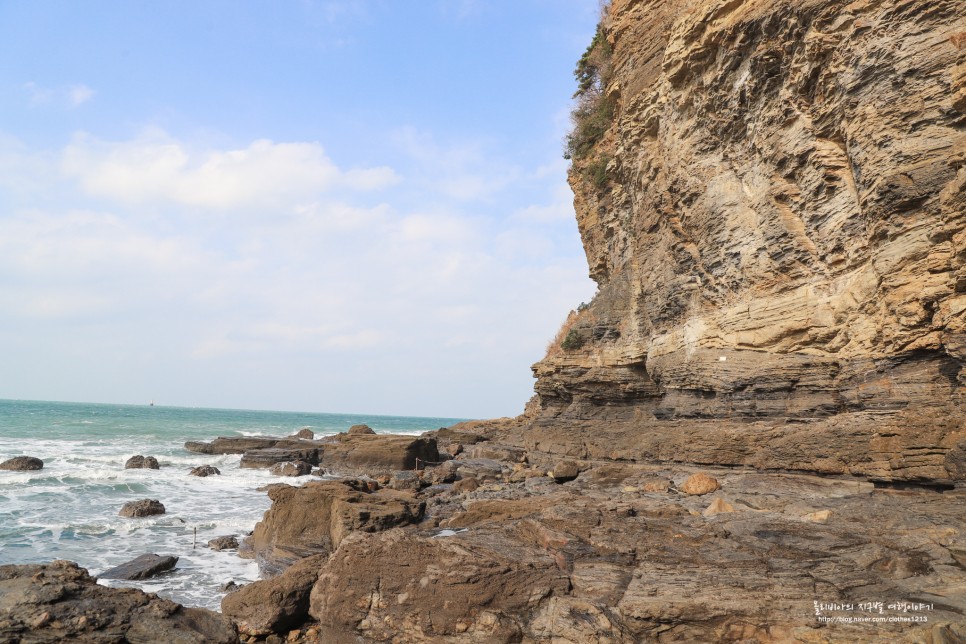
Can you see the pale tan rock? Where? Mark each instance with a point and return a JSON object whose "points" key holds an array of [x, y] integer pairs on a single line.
{"points": [[821, 516], [718, 506], [700, 483]]}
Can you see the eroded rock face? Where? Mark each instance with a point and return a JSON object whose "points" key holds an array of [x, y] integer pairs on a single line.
{"points": [[394, 585], [776, 218], [602, 559], [374, 454], [315, 518], [60, 602], [276, 604]]}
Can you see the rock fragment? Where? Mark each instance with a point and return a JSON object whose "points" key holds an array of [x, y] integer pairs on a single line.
{"points": [[700, 483]]}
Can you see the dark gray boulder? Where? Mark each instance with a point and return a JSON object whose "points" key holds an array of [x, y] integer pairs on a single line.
{"points": [[22, 464], [142, 508], [142, 567], [226, 542], [142, 462]]}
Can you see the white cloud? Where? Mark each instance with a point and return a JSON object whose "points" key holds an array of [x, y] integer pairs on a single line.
{"points": [[157, 168], [404, 298]]}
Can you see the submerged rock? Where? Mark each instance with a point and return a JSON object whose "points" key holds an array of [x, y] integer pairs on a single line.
{"points": [[22, 464], [291, 468], [204, 470], [142, 508], [270, 456], [145, 462], [227, 542], [142, 567], [60, 602]]}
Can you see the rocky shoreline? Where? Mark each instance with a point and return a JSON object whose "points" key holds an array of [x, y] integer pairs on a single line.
{"points": [[492, 542]]}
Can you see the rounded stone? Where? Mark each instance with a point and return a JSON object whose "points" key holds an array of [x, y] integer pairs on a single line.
{"points": [[22, 464], [142, 508], [700, 483]]}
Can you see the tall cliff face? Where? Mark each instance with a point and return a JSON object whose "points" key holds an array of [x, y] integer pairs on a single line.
{"points": [[776, 218]]}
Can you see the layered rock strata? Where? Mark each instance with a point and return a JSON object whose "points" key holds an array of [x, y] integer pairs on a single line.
{"points": [[776, 218]]}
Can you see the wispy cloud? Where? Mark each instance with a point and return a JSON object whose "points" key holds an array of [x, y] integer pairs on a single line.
{"points": [[66, 97]]}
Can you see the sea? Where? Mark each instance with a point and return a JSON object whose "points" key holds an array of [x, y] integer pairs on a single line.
{"points": [[69, 509]]}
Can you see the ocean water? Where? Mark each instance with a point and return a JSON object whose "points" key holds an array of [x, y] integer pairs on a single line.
{"points": [[68, 510]]}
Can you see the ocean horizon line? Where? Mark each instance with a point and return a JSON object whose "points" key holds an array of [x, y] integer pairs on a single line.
{"points": [[157, 405]]}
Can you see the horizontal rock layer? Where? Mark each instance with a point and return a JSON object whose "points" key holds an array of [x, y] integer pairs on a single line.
{"points": [[776, 218]]}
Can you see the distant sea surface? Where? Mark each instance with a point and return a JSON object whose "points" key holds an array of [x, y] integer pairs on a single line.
{"points": [[68, 510]]}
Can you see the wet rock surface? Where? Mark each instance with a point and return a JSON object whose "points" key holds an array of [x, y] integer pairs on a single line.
{"points": [[22, 464], [139, 462], [60, 602], [142, 508], [226, 542], [143, 567], [205, 470], [291, 468]]}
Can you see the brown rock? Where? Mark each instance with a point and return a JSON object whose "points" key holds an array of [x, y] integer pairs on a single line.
{"points": [[357, 430], [700, 483], [768, 260], [374, 454], [227, 542], [277, 604], [291, 468], [465, 485], [60, 602], [204, 470], [287, 532], [145, 462], [22, 464], [658, 485], [565, 471], [305, 433], [474, 584], [142, 508], [718, 506]]}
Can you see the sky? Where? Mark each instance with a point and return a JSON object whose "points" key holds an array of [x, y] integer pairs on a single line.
{"points": [[353, 206]]}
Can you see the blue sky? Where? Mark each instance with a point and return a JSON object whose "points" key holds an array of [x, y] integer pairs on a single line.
{"points": [[346, 206]]}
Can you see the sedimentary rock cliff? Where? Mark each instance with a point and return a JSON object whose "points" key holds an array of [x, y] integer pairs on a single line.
{"points": [[775, 214]]}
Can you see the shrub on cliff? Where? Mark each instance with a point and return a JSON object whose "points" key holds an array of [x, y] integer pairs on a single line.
{"points": [[594, 110]]}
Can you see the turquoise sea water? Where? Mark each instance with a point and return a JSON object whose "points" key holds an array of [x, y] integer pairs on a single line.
{"points": [[68, 510]]}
